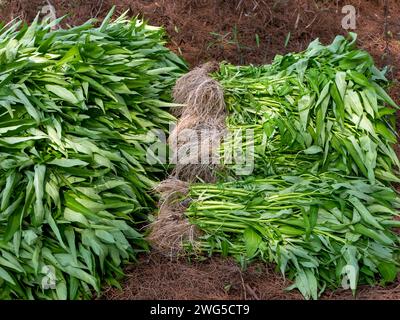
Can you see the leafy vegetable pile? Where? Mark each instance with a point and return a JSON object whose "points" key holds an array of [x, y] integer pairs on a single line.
{"points": [[318, 202], [323, 108], [317, 229], [75, 109]]}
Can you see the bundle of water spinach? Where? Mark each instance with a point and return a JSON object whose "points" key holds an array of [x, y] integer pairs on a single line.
{"points": [[317, 110], [318, 200], [75, 108]]}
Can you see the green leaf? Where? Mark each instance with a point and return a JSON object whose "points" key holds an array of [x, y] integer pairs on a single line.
{"points": [[353, 102], [67, 163], [40, 172], [313, 150], [252, 241], [351, 269], [388, 271], [384, 96], [98, 87], [301, 282], [365, 214], [340, 81], [63, 93], [106, 20], [312, 283], [105, 236], [13, 224], [11, 181], [339, 104], [74, 216], [61, 289], [304, 105], [359, 78], [6, 276], [70, 235], [29, 107], [82, 275]]}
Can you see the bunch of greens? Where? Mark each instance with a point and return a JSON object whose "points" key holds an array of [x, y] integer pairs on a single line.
{"points": [[319, 230], [76, 106], [318, 110], [318, 201]]}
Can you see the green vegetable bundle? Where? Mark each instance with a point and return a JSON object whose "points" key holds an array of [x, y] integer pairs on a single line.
{"points": [[75, 109], [319, 230], [318, 201], [317, 110]]}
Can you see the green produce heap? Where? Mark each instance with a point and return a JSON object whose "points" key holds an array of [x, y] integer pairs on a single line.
{"points": [[319, 202], [75, 108]]}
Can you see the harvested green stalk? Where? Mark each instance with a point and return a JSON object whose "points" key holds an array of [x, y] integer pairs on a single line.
{"points": [[76, 106]]}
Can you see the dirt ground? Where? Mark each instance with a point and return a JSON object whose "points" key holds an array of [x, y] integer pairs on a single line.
{"points": [[203, 30], [157, 277], [242, 32]]}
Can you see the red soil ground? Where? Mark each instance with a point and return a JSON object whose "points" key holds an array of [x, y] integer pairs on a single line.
{"points": [[203, 30]]}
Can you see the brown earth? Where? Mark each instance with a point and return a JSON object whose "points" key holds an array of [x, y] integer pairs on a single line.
{"points": [[227, 29], [157, 277], [242, 32]]}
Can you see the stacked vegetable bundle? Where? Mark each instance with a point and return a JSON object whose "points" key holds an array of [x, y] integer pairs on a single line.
{"points": [[322, 108], [317, 229], [75, 109], [317, 203]]}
